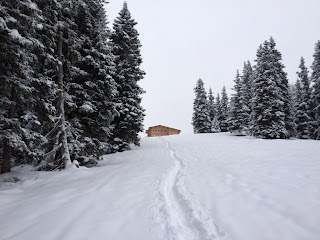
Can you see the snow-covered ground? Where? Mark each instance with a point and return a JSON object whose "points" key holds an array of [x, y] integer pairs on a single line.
{"points": [[186, 187]]}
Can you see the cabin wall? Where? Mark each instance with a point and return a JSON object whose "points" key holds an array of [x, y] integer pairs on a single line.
{"points": [[161, 131]]}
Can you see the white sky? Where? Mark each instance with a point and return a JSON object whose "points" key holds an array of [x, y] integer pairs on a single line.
{"points": [[183, 40]]}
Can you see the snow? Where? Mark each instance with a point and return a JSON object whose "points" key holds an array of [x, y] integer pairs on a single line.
{"points": [[87, 107], [11, 19], [15, 34], [33, 6], [39, 26], [184, 187]]}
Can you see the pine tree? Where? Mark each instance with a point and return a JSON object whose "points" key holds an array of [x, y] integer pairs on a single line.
{"points": [[216, 123], [46, 89], [239, 107], [200, 119], [223, 118], [247, 79], [246, 96], [212, 110], [303, 94], [126, 49], [315, 77], [60, 32], [62, 155], [271, 102], [253, 102], [297, 97], [91, 86], [284, 88], [19, 22], [236, 108]]}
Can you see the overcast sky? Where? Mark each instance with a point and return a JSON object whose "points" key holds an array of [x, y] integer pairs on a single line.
{"points": [[183, 40]]}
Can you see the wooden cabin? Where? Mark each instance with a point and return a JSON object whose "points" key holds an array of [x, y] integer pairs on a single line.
{"points": [[161, 131]]}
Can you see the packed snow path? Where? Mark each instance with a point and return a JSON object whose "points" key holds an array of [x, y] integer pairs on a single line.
{"points": [[197, 187], [180, 217]]}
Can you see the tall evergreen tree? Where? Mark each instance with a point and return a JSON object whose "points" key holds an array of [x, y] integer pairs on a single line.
{"points": [[212, 110], [64, 27], [237, 124], [297, 95], [19, 22], [303, 94], [218, 111], [271, 103], [57, 36], [91, 86], [236, 108], [315, 77], [246, 96], [223, 118], [200, 119], [126, 49], [284, 87], [247, 82]]}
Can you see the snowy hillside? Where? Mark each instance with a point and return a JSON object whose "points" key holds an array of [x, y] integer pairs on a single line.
{"points": [[192, 187]]}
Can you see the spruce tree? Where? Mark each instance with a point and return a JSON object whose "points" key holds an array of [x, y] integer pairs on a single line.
{"points": [[303, 94], [297, 96], [60, 33], [315, 77], [247, 79], [218, 111], [200, 119], [235, 121], [271, 102], [212, 110], [223, 118], [283, 84], [246, 96], [91, 86], [126, 49], [19, 123]]}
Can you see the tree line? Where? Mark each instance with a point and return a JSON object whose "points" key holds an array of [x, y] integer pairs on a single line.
{"points": [[263, 103], [69, 84]]}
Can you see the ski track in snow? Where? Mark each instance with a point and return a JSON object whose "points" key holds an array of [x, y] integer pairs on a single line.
{"points": [[200, 187], [177, 213]]}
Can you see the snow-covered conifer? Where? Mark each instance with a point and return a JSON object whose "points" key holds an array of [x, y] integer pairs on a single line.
{"points": [[236, 123], [59, 32], [200, 119], [19, 123], [283, 84], [315, 77], [303, 94], [91, 86], [271, 102], [216, 123], [212, 110], [246, 96], [126, 49], [224, 105]]}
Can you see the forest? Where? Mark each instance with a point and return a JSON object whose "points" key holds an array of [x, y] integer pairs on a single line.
{"points": [[263, 103], [69, 85]]}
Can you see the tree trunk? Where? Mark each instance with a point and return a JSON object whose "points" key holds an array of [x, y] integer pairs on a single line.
{"points": [[64, 156], [7, 149]]}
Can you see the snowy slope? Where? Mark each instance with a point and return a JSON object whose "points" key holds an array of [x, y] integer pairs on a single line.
{"points": [[208, 186]]}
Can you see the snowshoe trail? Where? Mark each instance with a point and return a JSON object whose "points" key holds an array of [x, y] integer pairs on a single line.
{"points": [[177, 213]]}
